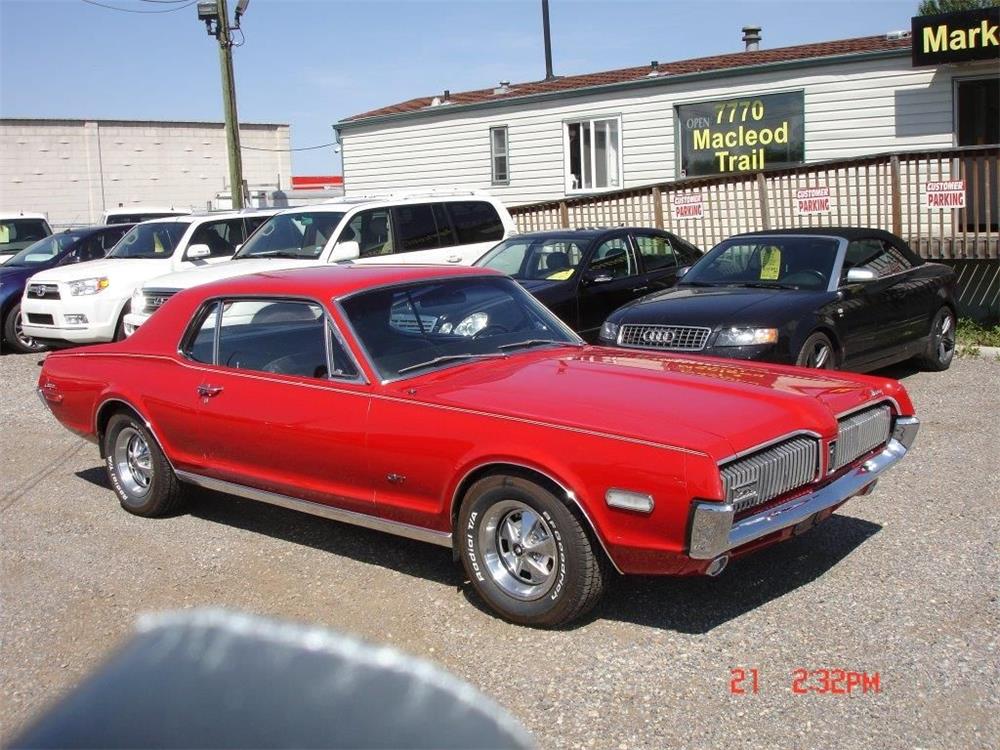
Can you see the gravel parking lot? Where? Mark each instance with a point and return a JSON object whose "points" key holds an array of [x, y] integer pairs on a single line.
{"points": [[903, 583]]}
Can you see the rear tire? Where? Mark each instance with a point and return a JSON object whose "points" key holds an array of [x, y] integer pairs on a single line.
{"points": [[817, 352], [138, 471], [14, 335], [527, 554], [940, 342]]}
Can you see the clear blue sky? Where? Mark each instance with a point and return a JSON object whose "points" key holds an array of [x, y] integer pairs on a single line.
{"points": [[311, 62]]}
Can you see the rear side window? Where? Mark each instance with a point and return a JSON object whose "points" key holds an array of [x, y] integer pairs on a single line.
{"points": [[876, 254], [475, 221], [656, 251], [372, 230], [415, 228]]}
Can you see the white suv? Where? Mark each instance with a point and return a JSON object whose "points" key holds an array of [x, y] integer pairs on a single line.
{"points": [[435, 227], [85, 303]]}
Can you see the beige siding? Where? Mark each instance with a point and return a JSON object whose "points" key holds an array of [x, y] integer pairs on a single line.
{"points": [[74, 169], [850, 109]]}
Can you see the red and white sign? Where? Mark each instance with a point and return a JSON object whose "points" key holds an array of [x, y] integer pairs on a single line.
{"points": [[687, 207], [812, 200], [947, 194]]}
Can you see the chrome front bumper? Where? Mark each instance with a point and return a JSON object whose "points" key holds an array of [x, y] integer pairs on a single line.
{"points": [[713, 531]]}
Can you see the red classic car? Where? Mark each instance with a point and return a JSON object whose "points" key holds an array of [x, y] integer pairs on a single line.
{"points": [[448, 405]]}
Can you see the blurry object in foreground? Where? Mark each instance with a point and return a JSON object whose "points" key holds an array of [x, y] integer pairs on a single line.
{"points": [[211, 678]]}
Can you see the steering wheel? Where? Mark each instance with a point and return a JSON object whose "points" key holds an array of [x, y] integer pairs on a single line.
{"points": [[808, 273], [490, 330]]}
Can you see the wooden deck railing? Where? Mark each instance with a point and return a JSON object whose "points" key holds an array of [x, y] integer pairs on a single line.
{"points": [[886, 191]]}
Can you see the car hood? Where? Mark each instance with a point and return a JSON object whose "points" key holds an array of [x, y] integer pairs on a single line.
{"points": [[710, 306], [706, 405], [224, 270], [18, 274], [119, 271]]}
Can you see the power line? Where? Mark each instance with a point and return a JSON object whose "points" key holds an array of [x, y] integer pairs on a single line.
{"points": [[303, 148], [187, 4]]}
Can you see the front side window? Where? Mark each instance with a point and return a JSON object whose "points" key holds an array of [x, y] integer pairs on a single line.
{"points": [[475, 221], [372, 230], [498, 155], [418, 328], [222, 237], [285, 337], [551, 258], [612, 259], [593, 154], [298, 235], [656, 251], [153, 240], [776, 262], [878, 255]]}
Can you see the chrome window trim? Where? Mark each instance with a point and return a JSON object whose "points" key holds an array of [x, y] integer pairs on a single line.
{"points": [[419, 533]]}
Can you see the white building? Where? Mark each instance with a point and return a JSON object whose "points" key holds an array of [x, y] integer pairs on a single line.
{"points": [[576, 135], [73, 170]]}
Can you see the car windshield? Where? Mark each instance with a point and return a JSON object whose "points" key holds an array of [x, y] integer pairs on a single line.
{"points": [[44, 250], [420, 327], [553, 258], [777, 262], [17, 234], [157, 239], [300, 235]]}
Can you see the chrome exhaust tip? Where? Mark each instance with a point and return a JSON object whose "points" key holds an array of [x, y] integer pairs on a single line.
{"points": [[717, 566]]}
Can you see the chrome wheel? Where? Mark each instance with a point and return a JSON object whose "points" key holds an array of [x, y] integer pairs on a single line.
{"points": [[132, 462], [944, 338], [26, 341], [519, 549]]}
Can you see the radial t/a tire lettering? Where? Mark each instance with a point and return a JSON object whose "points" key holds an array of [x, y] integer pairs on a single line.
{"points": [[527, 554], [138, 471]]}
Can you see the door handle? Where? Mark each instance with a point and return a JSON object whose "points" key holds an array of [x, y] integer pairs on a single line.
{"points": [[454, 258], [641, 289], [208, 391]]}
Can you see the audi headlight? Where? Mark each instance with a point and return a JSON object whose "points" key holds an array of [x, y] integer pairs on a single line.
{"points": [[472, 325], [88, 286], [747, 336], [609, 331]]}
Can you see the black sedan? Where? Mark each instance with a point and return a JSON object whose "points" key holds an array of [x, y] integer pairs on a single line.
{"points": [[71, 246], [853, 299], [582, 275]]}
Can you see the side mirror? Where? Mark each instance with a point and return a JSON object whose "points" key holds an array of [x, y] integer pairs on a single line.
{"points": [[237, 248], [860, 275], [682, 270], [346, 250], [194, 252]]}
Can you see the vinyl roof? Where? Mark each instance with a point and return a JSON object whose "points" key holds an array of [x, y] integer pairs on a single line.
{"points": [[735, 60]]}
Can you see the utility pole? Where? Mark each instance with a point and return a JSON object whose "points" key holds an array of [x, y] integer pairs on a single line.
{"points": [[217, 22]]}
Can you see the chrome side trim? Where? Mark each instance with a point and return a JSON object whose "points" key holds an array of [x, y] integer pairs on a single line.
{"points": [[440, 538], [570, 495], [712, 532]]}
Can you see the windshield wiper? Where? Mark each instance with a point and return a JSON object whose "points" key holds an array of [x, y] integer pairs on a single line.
{"points": [[535, 342], [449, 358]]}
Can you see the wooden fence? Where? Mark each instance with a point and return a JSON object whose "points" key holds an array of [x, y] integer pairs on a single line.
{"points": [[886, 191]]}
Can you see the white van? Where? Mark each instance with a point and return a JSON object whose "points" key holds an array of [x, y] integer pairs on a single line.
{"points": [[85, 303], [135, 214], [434, 227]]}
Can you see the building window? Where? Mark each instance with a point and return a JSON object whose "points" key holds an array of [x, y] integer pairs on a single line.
{"points": [[498, 153], [593, 155]]}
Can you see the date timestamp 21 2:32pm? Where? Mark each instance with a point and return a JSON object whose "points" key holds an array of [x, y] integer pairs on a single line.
{"points": [[746, 681]]}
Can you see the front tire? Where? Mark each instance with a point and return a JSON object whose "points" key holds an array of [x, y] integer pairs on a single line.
{"points": [[940, 342], [138, 471], [14, 335], [527, 554], [817, 352]]}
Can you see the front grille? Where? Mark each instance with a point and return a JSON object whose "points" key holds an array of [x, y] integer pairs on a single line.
{"points": [[861, 433], [771, 472], [154, 299], [43, 291], [40, 319], [673, 338]]}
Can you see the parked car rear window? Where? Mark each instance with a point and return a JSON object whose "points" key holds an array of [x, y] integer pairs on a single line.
{"points": [[136, 218], [298, 235], [475, 221], [153, 240], [17, 233]]}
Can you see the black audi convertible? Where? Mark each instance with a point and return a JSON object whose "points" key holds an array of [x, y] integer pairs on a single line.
{"points": [[853, 299]]}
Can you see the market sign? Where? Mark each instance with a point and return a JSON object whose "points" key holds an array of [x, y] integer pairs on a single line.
{"points": [[745, 134], [956, 37], [686, 207], [947, 194], [812, 200]]}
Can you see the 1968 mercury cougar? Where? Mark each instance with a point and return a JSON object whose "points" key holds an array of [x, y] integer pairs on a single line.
{"points": [[448, 405]]}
